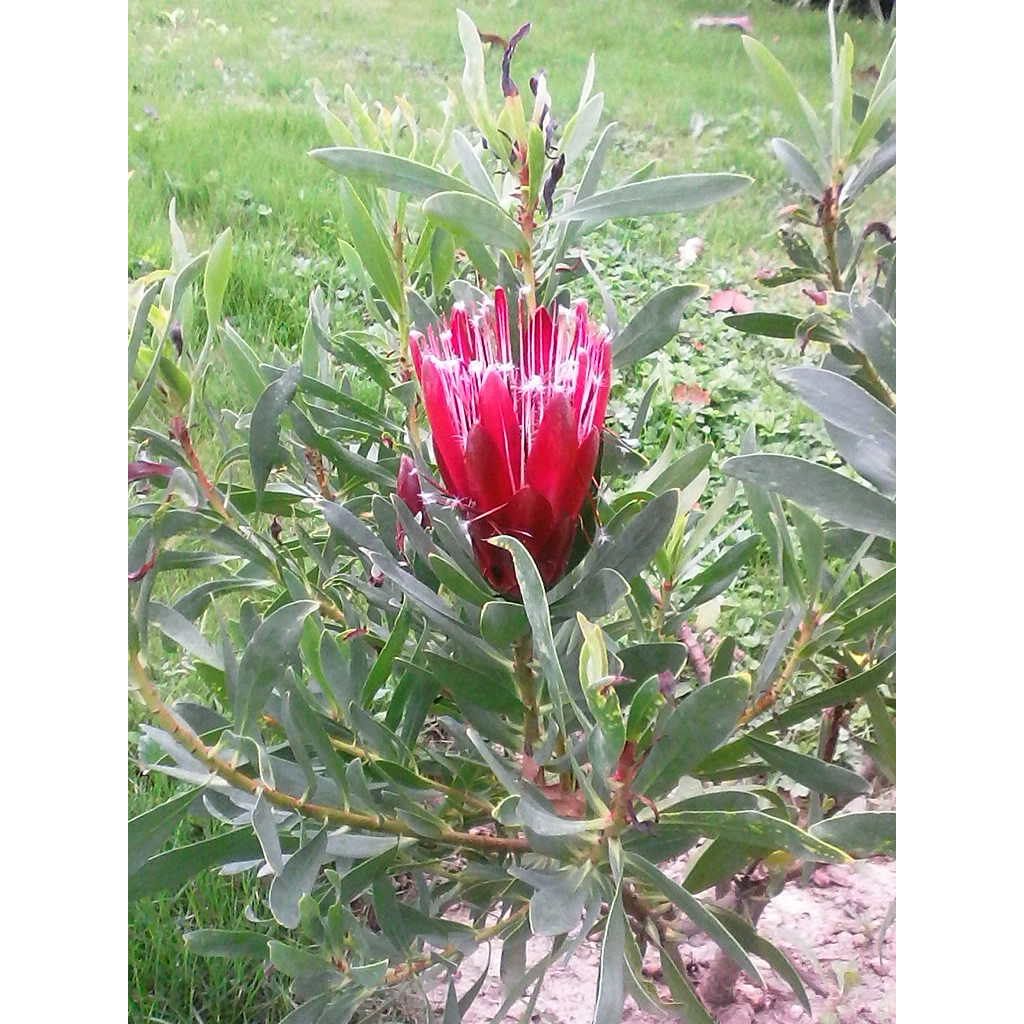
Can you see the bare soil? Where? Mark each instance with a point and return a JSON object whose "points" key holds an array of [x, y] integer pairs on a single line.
{"points": [[829, 929]]}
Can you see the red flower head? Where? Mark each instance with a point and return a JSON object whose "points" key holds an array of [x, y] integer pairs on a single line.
{"points": [[516, 435]]}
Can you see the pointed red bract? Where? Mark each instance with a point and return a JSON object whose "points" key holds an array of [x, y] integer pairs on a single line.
{"points": [[516, 437], [410, 492], [142, 469]]}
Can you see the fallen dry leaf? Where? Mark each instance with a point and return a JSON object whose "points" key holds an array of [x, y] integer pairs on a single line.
{"points": [[691, 394], [689, 252], [730, 300], [742, 22]]}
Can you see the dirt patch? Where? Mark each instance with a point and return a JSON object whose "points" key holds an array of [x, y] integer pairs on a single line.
{"points": [[829, 929]]}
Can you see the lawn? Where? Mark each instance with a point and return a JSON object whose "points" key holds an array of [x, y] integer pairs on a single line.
{"points": [[221, 116]]}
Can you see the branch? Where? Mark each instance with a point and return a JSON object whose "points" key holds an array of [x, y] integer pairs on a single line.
{"points": [[695, 654], [403, 972], [371, 822], [774, 692], [362, 754]]}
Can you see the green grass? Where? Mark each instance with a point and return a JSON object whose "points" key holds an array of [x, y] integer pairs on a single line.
{"points": [[167, 983], [221, 116], [231, 116]]}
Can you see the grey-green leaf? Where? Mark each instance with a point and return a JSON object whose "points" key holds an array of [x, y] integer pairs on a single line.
{"points": [[266, 657], [386, 170], [466, 214], [149, 831], [265, 426], [800, 170], [611, 986], [698, 724], [296, 879], [812, 772], [656, 324], [696, 912], [865, 834], [178, 628], [224, 942], [842, 402], [633, 549], [825, 491], [474, 171], [759, 830], [672, 194]]}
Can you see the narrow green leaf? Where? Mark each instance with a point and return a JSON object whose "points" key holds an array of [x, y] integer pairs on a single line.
{"points": [[581, 127], [884, 729], [442, 259], [785, 93], [242, 362], [354, 882], [716, 862], [812, 772], [139, 323], [832, 696], [882, 160], [168, 871], [452, 577], [373, 249], [812, 551], [687, 1003], [759, 830], [842, 402], [697, 913], [720, 574], [531, 586], [215, 280], [472, 168], [879, 111], [754, 943], [176, 627], [223, 942], [634, 547], [381, 670]]}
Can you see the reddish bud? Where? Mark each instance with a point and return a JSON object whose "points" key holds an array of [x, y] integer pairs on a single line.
{"points": [[141, 469], [409, 491], [134, 577], [627, 762]]}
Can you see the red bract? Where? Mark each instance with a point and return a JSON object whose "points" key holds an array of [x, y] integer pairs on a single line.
{"points": [[142, 469], [516, 436], [409, 491]]}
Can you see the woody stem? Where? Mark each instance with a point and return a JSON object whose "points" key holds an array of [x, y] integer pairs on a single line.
{"points": [[522, 653], [253, 785]]}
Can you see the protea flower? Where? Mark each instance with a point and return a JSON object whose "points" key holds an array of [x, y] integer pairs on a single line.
{"points": [[516, 434]]}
